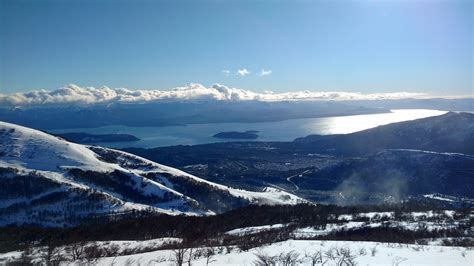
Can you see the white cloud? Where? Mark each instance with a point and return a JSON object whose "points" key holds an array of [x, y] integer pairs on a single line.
{"points": [[243, 72], [90, 95], [226, 72], [265, 72]]}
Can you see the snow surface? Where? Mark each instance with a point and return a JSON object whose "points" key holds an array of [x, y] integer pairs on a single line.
{"points": [[385, 254]]}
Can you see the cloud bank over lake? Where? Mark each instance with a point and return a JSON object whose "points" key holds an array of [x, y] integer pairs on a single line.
{"points": [[193, 92]]}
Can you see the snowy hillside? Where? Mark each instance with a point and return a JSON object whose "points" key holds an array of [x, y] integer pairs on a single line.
{"points": [[50, 181]]}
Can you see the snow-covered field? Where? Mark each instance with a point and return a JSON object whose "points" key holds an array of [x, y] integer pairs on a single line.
{"points": [[384, 254], [303, 251]]}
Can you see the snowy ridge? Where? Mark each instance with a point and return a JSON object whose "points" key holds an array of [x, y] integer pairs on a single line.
{"points": [[49, 180], [268, 196]]}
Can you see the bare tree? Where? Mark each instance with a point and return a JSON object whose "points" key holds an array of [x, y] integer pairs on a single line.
{"points": [[288, 259], [209, 253], [52, 255], [190, 256], [264, 259], [179, 255], [345, 257], [92, 253], [76, 250], [314, 258]]}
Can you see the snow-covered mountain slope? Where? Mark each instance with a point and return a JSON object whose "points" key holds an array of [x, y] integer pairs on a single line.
{"points": [[50, 181]]}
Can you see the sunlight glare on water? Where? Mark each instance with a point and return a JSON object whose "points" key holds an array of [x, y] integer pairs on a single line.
{"points": [[350, 124]]}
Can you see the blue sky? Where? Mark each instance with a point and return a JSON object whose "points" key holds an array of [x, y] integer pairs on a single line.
{"points": [[362, 46]]}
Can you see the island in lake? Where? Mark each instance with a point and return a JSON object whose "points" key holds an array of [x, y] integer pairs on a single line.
{"points": [[250, 134], [93, 138]]}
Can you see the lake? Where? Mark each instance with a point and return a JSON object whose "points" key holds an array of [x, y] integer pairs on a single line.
{"points": [[286, 130]]}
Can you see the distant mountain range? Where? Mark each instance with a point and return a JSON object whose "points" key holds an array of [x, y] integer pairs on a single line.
{"points": [[49, 181]]}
